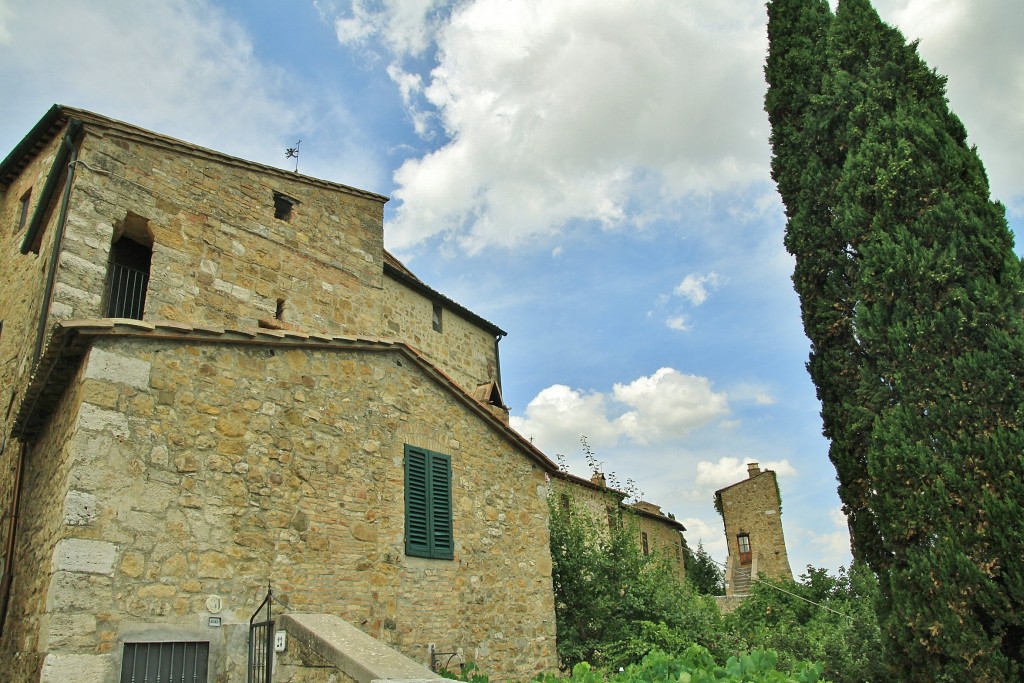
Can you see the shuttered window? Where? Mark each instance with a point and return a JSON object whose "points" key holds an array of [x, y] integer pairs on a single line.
{"points": [[428, 504]]}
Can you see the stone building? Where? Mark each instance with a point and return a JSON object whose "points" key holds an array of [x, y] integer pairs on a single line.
{"points": [[752, 512], [214, 379], [655, 530]]}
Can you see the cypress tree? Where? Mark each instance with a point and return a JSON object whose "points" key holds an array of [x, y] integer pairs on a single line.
{"points": [[928, 295], [808, 153]]}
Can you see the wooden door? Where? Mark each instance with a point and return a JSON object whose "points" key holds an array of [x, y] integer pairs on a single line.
{"points": [[744, 543]]}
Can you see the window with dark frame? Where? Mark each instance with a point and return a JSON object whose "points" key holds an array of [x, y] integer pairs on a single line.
{"points": [[436, 317], [613, 518], [25, 200], [644, 543], [428, 504]]}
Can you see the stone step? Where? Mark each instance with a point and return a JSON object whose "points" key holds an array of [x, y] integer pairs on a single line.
{"points": [[741, 581]]}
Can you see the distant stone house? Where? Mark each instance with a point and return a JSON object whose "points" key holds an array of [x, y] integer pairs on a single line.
{"points": [[752, 513], [656, 531]]}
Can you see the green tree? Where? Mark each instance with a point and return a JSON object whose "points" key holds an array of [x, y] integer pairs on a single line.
{"points": [[808, 153], [918, 364], [703, 572], [613, 604]]}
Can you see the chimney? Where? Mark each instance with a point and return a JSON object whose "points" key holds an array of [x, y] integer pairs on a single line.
{"points": [[598, 478], [753, 470]]}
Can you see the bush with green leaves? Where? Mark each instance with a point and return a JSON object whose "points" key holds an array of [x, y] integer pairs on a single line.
{"points": [[695, 665], [822, 617]]}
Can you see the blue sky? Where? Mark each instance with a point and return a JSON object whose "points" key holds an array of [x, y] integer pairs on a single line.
{"points": [[590, 175]]}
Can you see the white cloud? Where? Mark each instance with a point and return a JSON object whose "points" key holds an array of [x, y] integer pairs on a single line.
{"points": [[558, 415], [583, 110], [694, 287], [754, 393], [406, 27], [668, 404], [712, 476], [665, 405], [606, 112], [184, 68], [708, 532], [830, 547], [679, 322], [5, 14]]}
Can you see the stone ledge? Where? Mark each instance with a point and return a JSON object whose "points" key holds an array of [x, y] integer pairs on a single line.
{"points": [[353, 652]]}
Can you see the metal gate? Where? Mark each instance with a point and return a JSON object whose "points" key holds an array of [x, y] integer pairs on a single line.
{"points": [[261, 643]]}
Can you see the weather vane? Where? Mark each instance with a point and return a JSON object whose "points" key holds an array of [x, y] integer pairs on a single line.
{"points": [[293, 153]]}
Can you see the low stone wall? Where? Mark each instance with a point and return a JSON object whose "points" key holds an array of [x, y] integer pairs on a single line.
{"points": [[354, 655], [728, 603]]}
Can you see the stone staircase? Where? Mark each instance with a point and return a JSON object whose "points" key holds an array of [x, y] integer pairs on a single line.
{"points": [[741, 581]]}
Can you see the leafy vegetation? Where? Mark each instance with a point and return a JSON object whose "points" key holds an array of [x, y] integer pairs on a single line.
{"points": [[821, 618], [911, 296], [613, 604], [695, 665], [617, 608]]}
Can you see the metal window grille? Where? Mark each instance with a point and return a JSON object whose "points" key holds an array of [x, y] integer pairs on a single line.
{"points": [[127, 298], [165, 662]]}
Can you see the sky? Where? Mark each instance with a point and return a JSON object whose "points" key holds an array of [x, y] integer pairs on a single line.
{"points": [[590, 175]]}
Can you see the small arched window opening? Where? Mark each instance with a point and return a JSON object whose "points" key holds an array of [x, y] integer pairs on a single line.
{"points": [[131, 255], [283, 205]]}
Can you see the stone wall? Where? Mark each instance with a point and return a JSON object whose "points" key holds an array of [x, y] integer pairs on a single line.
{"points": [[22, 282], [300, 664], [462, 348], [220, 256], [38, 619], [215, 469], [753, 506], [663, 538]]}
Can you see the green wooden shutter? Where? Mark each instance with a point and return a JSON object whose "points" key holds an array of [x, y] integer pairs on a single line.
{"points": [[440, 469], [428, 504], [417, 523]]}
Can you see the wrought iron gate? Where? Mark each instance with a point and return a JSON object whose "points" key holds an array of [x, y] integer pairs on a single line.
{"points": [[261, 643]]}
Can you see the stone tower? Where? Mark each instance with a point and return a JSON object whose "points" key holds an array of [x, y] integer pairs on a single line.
{"points": [[752, 512]]}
